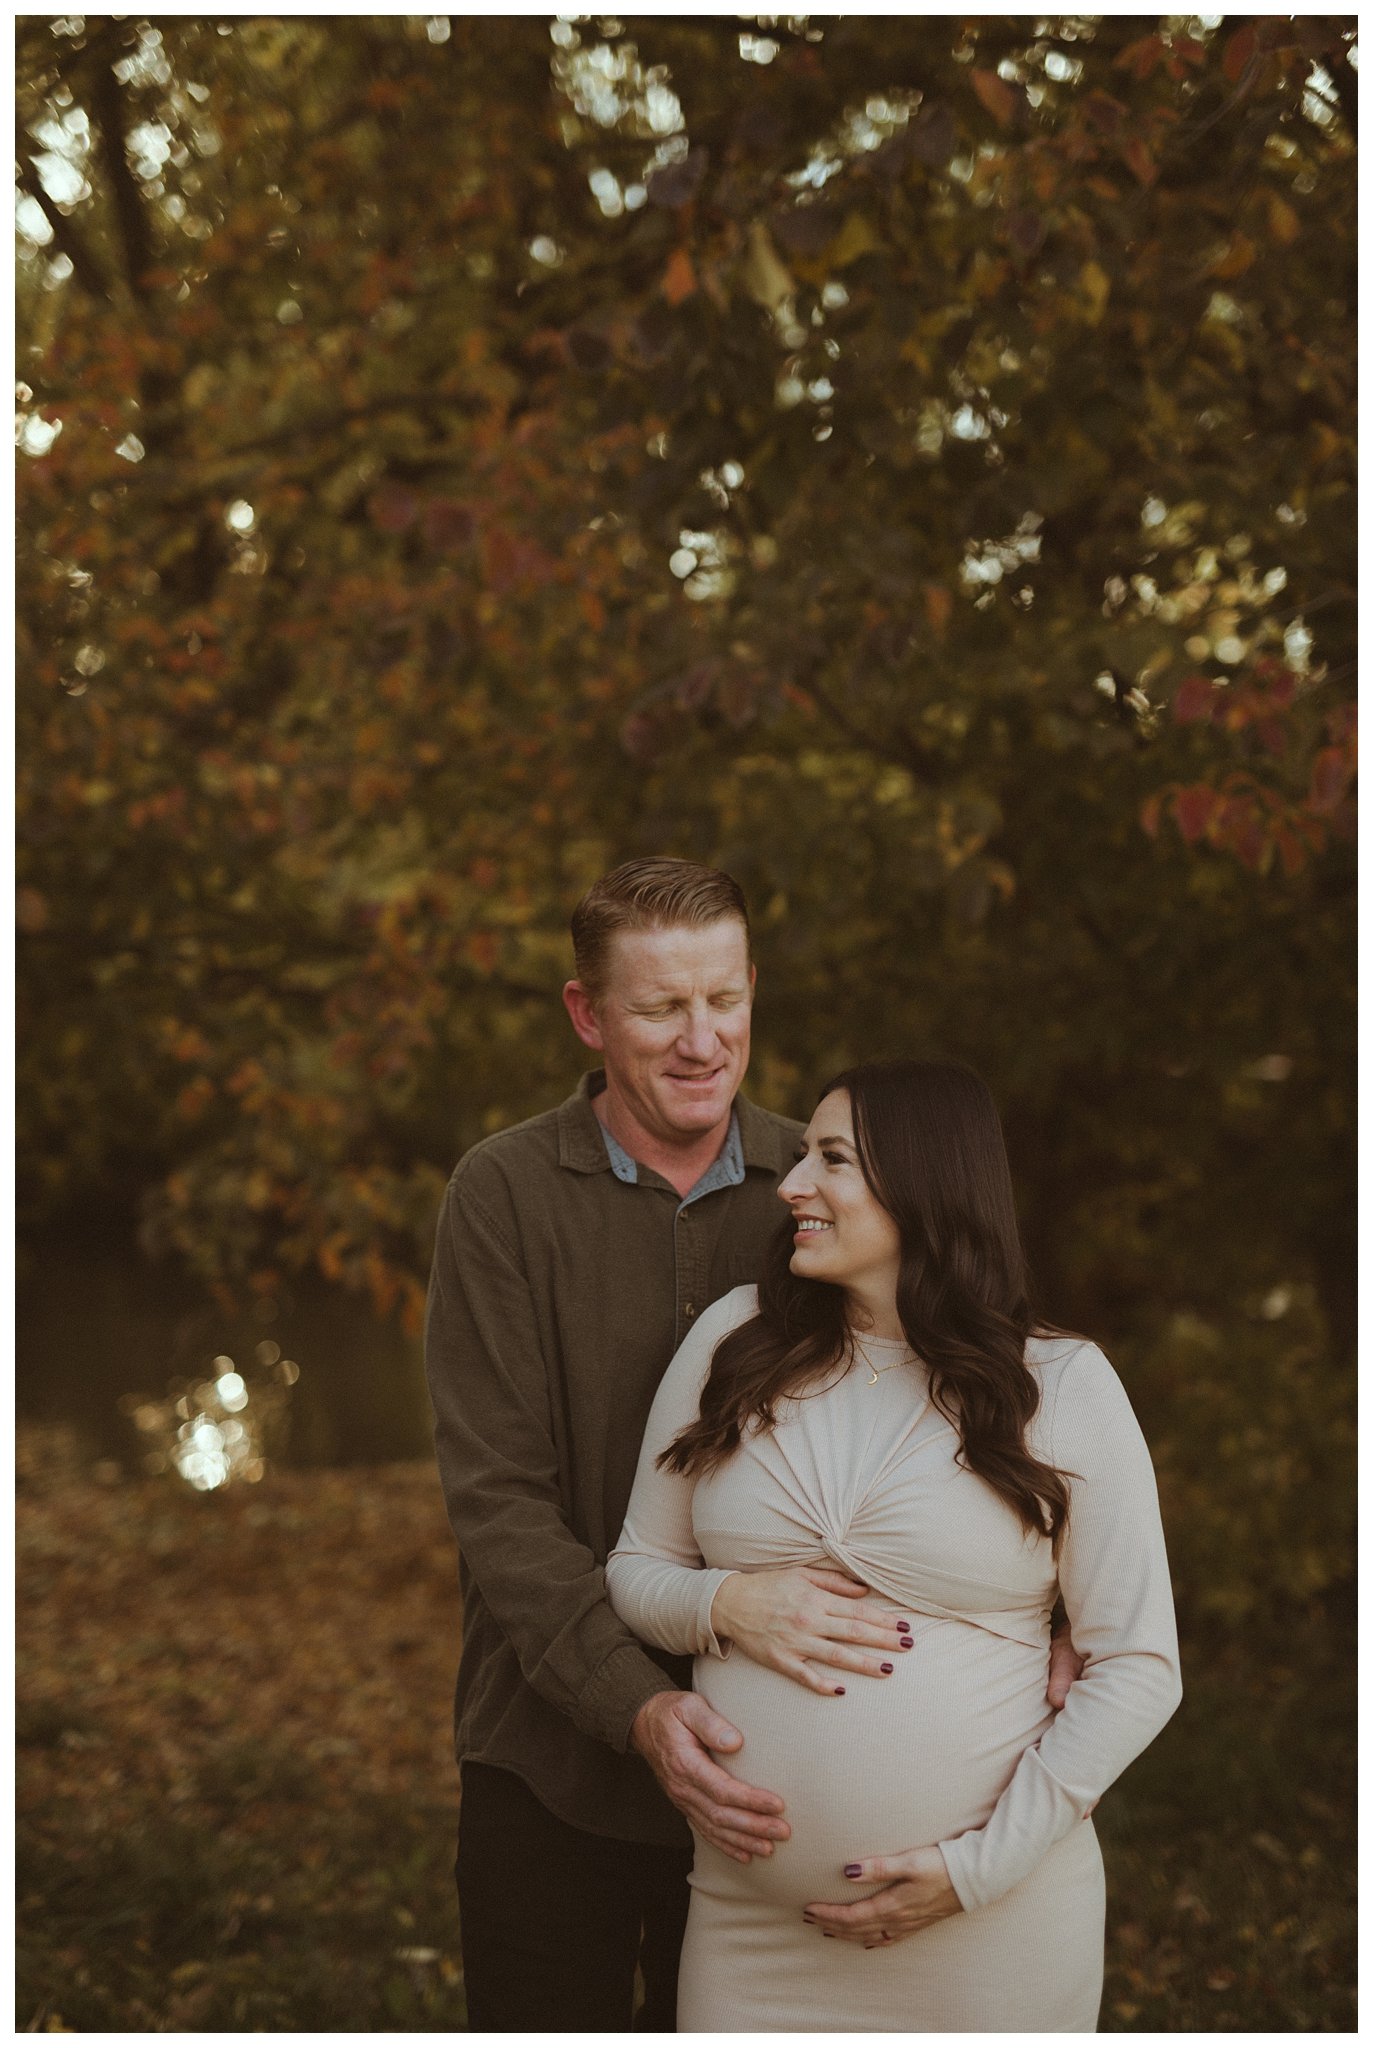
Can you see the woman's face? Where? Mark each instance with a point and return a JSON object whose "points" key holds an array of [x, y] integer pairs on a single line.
{"points": [[842, 1232]]}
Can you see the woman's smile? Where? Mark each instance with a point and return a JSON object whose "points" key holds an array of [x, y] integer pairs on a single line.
{"points": [[830, 1201]]}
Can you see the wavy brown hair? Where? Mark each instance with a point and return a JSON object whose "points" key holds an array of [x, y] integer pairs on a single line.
{"points": [[930, 1148]]}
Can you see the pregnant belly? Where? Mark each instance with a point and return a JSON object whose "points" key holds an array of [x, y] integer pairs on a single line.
{"points": [[896, 1763]]}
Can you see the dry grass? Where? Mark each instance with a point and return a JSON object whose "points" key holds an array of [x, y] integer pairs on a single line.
{"points": [[237, 1802]]}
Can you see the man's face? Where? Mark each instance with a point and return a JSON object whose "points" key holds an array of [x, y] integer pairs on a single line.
{"points": [[673, 1024]]}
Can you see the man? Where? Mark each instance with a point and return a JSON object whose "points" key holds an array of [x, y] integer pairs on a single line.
{"points": [[573, 1253]]}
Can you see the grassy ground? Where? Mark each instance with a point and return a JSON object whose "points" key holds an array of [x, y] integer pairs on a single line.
{"points": [[237, 1806]]}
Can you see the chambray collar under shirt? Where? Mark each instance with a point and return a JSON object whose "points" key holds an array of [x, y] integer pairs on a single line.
{"points": [[726, 1170], [750, 1143]]}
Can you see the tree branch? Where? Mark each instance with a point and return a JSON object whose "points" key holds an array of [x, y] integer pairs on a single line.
{"points": [[1342, 77], [900, 748], [223, 468], [108, 106], [85, 269], [421, 401]]}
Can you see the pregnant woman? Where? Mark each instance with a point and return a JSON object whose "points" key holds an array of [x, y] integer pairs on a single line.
{"points": [[884, 1405]]}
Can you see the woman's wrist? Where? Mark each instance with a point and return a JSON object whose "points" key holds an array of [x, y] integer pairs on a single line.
{"points": [[719, 1612]]}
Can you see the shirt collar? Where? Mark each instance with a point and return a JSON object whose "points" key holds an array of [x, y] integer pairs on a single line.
{"points": [[579, 1128], [762, 1142], [585, 1145], [726, 1169]]}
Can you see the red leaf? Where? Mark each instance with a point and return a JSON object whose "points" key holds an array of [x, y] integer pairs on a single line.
{"points": [[1104, 113], [1251, 842], [1291, 849], [1195, 700], [694, 687], [1193, 808], [1341, 724], [1000, 99], [502, 555], [1277, 679], [1025, 230], [392, 508], [1141, 57], [639, 737], [1273, 735], [1238, 51], [1149, 814], [448, 526], [386, 94], [30, 910], [679, 279], [1329, 779], [1140, 161]]}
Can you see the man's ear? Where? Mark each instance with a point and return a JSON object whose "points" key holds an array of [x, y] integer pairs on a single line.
{"points": [[582, 1011]]}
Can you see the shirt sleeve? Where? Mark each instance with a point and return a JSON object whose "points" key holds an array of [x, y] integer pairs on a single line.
{"points": [[655, 1575], [498, 1465], [1113, 1576]]}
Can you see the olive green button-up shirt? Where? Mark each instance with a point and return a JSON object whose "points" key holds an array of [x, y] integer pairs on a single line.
{"points": [[559, 1293]]}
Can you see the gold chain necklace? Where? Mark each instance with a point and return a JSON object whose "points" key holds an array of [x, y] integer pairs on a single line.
{"points": [[875, 1372]]}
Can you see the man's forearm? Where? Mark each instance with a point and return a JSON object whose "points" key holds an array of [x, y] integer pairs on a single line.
{"points": [[545, 1591]]}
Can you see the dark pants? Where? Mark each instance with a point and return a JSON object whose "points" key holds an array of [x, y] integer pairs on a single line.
{"points": [[555, 1921]]}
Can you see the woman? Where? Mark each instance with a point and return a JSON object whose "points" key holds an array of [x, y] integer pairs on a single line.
{"points": [[885, 1405]]}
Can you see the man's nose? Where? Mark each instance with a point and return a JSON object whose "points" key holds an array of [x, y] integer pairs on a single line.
{"points": [[697, 1038]]}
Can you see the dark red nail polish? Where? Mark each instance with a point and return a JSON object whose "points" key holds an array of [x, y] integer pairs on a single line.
{"points": [[828, 1936], [908, 1642], [853, 1870], [889, 1667], [838, 1691], [904, 1625]]}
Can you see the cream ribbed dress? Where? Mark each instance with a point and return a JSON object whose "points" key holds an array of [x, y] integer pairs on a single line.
{"points": [[959, 1747]]}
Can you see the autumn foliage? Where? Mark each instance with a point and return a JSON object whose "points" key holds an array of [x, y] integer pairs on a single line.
{"points": [[897, 458], [907, 460]]}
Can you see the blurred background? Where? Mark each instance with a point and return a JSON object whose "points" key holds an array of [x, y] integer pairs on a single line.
{"points": [[907, 462]]}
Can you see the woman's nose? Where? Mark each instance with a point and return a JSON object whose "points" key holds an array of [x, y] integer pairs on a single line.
{"points": [[796, 1183]]}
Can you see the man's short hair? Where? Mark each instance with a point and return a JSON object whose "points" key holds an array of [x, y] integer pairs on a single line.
{"points": [[648, 895]]}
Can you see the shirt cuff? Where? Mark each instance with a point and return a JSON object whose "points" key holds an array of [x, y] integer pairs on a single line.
{"points": [[713, 1645], [953, 1863], [619, 1687]]}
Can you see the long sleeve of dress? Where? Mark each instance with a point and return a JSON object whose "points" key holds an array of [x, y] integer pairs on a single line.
{"points": [[655, 1576], [1113, 1574]]}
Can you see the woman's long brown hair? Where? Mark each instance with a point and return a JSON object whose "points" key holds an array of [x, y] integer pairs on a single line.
{"points": [[930, 1147]]}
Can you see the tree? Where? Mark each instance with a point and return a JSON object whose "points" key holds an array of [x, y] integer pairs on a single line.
{"points": [[905, 459]]}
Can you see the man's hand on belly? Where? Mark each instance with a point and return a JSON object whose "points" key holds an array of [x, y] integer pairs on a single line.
{"points": [[1065, 1666], [919, 1893], [674, 1732]]}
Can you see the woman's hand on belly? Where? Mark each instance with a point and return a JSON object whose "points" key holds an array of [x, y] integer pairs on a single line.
{"points": [[918, 1893], [800, 1616]]}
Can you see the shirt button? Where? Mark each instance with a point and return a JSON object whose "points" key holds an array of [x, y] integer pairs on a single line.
{"points": [[691, 1308]]}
